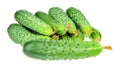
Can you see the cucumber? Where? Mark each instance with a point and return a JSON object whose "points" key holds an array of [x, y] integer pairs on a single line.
{"points": [[61, 50], [80, 20], [61, 17], [30, 21], [95, 35], [20, 35], [58, 28]]}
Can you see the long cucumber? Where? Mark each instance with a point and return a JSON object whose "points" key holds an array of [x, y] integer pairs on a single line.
{"points": [[61, 49]]}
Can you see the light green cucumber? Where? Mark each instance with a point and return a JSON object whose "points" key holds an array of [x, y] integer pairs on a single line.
{"points": [[61, 50], [58, 28], [20, 35], [80, 20], [30, 21], [61, 17]]}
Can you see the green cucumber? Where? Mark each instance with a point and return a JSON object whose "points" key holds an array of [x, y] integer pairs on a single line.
{"points": [[80, 20], [61, 49], [61, 17], [95, 35], [58, 28], [30, 21], [20, 35]]}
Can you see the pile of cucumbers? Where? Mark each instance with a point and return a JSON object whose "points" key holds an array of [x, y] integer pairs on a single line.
{"points": [[55, 35]]}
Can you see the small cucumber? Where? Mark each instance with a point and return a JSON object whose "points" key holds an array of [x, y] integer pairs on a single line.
{"points": [[61, 17], [95, 35], [30, 21], [49, 20], [20, 35], [80, 20], [61, 49]]}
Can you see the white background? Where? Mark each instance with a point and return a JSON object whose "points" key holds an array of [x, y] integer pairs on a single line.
{"points": [[102, 14]]}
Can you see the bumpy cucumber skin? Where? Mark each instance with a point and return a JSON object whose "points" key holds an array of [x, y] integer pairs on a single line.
{"points": [[61, 50], [80, 20], [60, 16], [20, 35], [27, 19], [49, 20], [95, 35]]}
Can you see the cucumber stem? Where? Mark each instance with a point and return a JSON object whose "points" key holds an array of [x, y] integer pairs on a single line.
{"points": [[107, 47], [98, 39], [88, 32], [75, 33], [55, 37]]}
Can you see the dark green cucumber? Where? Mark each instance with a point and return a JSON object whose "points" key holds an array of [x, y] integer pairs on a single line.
{"points": [[95, 35], [61, 50], [80, 20], [61, 17], [30, 21], [58, 28], [20, 35]]}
